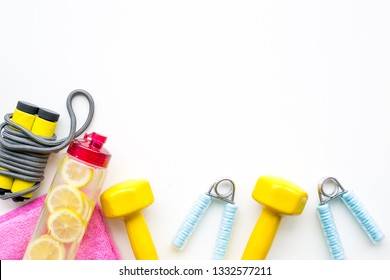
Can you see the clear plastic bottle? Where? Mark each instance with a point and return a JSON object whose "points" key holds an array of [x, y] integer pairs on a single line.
{"points": [[70, 200]]}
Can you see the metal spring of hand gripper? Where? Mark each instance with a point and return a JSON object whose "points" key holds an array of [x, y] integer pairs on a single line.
{"points": [[356, 208], [197, 211]]}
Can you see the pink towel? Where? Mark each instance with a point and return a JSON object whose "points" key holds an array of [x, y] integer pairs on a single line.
{"points": [[17, 226]]}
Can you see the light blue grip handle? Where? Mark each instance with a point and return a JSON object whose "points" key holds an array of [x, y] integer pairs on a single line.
{"points": [[191, 221], [330, 232], [225, 231], [362, 216]]}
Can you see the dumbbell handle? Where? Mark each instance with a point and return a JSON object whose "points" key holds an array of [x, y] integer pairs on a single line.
{"points": [[140, 238], [262, 236]]}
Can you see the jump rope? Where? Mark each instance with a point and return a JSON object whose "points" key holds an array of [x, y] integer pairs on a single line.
{"points": [[24, 155]]}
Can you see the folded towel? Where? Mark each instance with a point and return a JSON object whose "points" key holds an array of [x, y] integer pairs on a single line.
{"points": [[17, 226]]}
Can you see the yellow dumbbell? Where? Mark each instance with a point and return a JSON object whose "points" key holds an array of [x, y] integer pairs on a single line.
{"points": [[125, 200], [279, 197]]}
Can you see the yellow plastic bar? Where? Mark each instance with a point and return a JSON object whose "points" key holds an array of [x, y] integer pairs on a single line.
{"points": [[43, 128], [25, 119]]}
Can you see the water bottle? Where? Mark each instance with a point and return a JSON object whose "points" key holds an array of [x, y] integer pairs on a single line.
{"points": [[70, 200]]}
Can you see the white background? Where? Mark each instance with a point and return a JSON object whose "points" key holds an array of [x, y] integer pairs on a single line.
{"points": [[191, 91]]}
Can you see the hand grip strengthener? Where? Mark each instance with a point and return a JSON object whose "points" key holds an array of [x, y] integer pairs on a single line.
{"points": [[200, 207], [355, 207]]}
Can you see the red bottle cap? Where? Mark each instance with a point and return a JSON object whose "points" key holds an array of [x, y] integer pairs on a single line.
{"points": [[90, 149]]}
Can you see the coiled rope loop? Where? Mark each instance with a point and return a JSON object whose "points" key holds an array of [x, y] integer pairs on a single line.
{"points": [[24, 155]]}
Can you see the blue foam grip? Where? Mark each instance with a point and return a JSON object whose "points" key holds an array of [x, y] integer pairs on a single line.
{"points": [[362, 216], [330, 232], [225, 231], [191, 221]]}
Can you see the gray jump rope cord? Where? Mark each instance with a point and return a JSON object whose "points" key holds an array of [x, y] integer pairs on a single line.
{"points": [[24, 155]]}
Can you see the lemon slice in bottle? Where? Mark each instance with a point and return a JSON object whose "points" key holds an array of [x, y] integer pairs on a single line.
{"points": [[65, 225], [75, 173], [65, 196], [88, 207], [45, 248]]}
